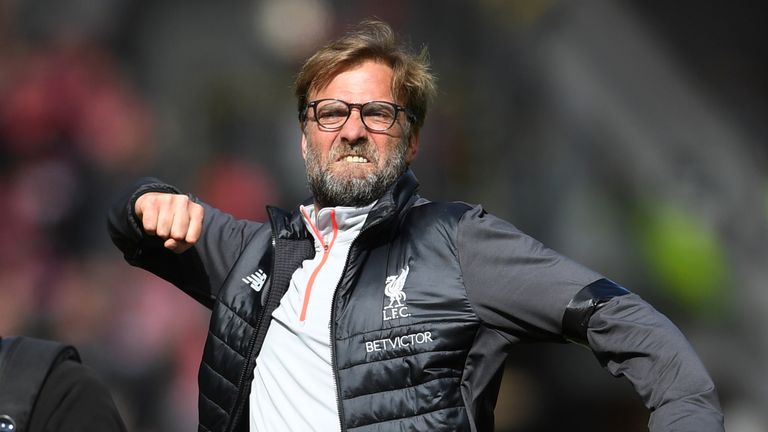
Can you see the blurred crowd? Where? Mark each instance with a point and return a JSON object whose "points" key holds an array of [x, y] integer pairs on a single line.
{"points": [[628, 136]]}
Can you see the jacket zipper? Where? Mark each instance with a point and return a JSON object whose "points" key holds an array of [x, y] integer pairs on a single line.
{"points": [[326, 253], [233, 420], [333, 325], [334, 367]]}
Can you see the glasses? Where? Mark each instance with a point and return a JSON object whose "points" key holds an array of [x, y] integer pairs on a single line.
{"points": [[332, 114]]}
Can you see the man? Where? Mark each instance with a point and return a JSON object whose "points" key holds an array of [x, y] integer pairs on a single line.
{"points": [[370, 308]]}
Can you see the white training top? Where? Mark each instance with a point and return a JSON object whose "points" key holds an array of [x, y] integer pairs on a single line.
{"points": [[293, 385]]}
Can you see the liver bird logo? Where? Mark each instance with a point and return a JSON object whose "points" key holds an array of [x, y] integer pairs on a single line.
{"points": [[393, 288]]}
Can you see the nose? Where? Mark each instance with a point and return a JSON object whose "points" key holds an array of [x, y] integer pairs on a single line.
{"points": [[354, 129]]}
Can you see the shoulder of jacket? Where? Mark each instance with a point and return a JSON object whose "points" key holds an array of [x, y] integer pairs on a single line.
{"points": [[25, 364], [437, 208], [431, 212]]}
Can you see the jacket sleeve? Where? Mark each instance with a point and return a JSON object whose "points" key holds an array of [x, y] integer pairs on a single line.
{"points": [[201, 270], [527, 292], [515, 284], [631, 339]]}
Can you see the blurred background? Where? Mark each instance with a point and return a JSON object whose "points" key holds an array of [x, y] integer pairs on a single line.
{"points": [[628, 135]]}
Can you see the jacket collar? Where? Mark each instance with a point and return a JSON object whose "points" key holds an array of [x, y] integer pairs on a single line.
{"points": [[389, 208], [395, 201]]}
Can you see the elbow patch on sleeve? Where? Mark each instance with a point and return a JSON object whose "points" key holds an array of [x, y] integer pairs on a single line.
{"points": [[584, 304]]}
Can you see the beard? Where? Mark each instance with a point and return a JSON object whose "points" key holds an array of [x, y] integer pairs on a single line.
{"points": [[332, 189]]}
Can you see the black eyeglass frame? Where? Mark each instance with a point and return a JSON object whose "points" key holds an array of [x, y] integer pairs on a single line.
{"points": [[350, 106]]}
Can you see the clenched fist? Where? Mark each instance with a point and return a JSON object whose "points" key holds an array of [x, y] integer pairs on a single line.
{"points": [[172, 217]]}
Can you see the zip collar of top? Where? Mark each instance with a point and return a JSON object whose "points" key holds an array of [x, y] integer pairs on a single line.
{"points": [[326, 225], [388, 209]]}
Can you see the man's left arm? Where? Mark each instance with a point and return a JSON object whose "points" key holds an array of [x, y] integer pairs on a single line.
{"points": [[631, 339], [527, 292]]}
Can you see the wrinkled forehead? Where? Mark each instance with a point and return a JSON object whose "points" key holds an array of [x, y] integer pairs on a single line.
{"points": [[362, 81]]}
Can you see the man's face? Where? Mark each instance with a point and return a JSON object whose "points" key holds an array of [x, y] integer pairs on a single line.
{"points": [[353, 166]]}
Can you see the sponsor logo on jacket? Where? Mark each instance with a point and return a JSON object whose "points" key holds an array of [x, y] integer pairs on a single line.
{"points": [[398, 342]]}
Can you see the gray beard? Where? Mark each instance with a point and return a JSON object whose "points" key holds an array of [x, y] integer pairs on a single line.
{"points": [[331, 190]]}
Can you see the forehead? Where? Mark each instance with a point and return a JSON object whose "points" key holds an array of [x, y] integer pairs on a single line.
{"points": [[369, 80]]}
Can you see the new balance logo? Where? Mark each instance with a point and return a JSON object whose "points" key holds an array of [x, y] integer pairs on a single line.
{"points": [[256, 280]]}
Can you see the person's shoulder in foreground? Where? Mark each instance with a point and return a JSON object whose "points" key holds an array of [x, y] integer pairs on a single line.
{"points": [[44, 387]]}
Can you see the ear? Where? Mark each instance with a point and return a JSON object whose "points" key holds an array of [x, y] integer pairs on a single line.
{"points": [[413, 147], [303, 142]]}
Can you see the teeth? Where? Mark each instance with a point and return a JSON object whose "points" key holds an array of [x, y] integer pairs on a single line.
{"points": [[355, 159]]}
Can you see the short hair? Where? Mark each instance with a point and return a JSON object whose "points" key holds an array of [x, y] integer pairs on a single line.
{"points": [[413, 85]]}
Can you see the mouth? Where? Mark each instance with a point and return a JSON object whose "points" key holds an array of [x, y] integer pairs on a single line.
{"points": [[353, 159]]}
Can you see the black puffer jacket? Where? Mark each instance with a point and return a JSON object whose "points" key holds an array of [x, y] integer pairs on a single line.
{"points": [[427, 353]]}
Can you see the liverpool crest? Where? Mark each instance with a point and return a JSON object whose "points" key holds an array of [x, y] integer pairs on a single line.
{"points": [[393, 288]]}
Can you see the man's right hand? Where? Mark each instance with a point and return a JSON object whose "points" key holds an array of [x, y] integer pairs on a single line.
{"points": [[172, 217]]}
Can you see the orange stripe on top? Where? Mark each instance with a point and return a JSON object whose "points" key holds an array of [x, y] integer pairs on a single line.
{"points": [[326, 252]]}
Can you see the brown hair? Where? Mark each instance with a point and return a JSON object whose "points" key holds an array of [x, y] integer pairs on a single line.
{"points": [[413, 85]]}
